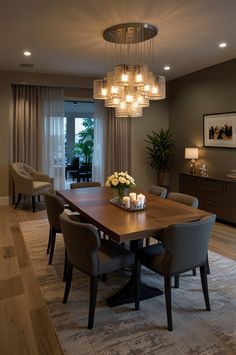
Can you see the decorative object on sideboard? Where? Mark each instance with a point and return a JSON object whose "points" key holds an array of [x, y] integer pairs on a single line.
{"points": [[203, 170], [191, 153], [220, 130], [232, 174]]}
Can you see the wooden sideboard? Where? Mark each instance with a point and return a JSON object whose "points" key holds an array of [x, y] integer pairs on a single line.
{"points": [[216, 195]]}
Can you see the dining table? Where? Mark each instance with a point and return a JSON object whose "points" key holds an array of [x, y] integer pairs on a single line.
{"points": [[95, 204]]}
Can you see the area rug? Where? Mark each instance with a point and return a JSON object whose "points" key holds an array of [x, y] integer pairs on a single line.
{"points": [[121, 330]]}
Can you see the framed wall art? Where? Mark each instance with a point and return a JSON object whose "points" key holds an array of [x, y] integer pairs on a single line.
{"points": [[219, 130]]}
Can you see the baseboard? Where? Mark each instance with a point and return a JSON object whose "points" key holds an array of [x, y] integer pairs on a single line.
{"points": [[4, 201]]}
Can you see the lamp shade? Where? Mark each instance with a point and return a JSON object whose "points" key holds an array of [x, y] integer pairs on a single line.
{"points": [[191, 153]]}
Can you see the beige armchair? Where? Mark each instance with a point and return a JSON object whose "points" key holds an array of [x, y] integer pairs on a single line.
{"points": [[28, 181]]}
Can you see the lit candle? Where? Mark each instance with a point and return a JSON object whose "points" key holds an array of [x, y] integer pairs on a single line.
{"points": [[132, 196], [126, 201], [141, 199]]}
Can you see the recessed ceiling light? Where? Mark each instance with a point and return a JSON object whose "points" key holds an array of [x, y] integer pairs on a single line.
{"points": [[167, 67], [27, 53], [222, 44]]}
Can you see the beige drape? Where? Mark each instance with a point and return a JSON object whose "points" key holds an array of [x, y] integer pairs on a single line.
{"points": [[27, 125], [117, 143], [38, 129]]}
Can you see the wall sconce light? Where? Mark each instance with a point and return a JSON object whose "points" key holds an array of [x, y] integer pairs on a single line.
{"points": [[191, 153]]}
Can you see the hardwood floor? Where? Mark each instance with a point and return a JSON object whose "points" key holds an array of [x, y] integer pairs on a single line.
{"points": [[24, 322]]}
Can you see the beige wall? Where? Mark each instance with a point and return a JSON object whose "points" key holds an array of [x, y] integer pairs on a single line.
{"points": [[154, 118], [211, 90]]}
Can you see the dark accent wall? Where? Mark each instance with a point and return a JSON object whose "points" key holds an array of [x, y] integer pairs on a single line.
{"points": [[211, 90]]}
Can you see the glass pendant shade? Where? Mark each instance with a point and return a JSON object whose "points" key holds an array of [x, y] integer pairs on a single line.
{"points": [[121, 110], [140, 74], [113, 102], [141, 100], [157, 89], [100, 91]]}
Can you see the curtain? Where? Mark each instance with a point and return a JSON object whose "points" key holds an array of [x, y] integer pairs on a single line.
{"points": [[53, 139], [38, 129], [112, 143], [118, 143], [27, 125], [98, 147]]}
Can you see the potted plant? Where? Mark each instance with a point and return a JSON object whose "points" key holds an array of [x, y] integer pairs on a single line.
{"points": [[160, 149]]}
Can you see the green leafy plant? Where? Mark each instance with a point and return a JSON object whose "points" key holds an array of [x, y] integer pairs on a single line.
{"points": [[85, 149], [160, 150], [85, 145]]}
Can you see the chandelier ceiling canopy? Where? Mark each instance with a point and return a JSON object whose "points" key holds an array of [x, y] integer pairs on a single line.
{"points": [[129, 87]]}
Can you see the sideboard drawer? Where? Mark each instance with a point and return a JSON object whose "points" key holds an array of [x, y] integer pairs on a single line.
{"points": [[211, 195], [210, 206], [211, 185]]}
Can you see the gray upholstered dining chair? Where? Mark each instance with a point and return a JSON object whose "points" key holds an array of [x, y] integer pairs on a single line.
{"points": [[183, 198], [28, 181], [161, 192], [91, 255], [158, 190], [78, 185], [54, 207], [189, 201], [184, 247]]}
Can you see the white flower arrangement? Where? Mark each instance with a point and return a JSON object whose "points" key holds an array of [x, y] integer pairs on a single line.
{"points": [[120, 180]]}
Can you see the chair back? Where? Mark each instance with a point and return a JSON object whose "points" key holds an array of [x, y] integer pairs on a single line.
{"points": [[81, 242], [77, 185], [158, 190], [186, 245], [74, 165], [54, 207], [22, 177], [183, 198]]}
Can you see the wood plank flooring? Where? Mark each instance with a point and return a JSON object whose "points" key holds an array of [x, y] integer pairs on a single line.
{"points": [[25, 327]]}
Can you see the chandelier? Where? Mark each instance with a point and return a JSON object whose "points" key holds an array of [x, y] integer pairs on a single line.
{"points": [[129, 87]]}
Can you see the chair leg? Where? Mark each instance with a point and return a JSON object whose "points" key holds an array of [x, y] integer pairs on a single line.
{"points": [[148, 241], [137, 276], [38, 198], [207, 266], [168, 301], [176, 281], [53, 239], [104, 277], [65, 267], [203, 273], [69, 274], [33, 203], [93, 299], [194, 272], [18, 200], [49, 240]]}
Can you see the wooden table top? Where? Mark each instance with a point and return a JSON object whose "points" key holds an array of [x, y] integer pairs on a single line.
{"points": [[94, 204]]}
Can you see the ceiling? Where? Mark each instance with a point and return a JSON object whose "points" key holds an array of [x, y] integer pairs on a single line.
{"points": [[65, 36]]}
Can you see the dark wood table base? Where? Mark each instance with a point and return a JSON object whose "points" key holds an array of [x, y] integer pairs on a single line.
{"points": [[126, 294]]}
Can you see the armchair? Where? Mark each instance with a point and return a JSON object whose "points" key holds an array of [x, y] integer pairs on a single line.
{"points": [[28, 181]]}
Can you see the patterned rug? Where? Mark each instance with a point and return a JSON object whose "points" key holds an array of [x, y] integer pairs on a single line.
{"points": [[121, 330]]}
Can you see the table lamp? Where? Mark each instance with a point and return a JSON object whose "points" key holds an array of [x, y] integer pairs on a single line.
{"points": [[191, 153]]}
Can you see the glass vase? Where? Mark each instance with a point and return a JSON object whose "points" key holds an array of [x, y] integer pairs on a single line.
{"points": [[119, 193]]}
